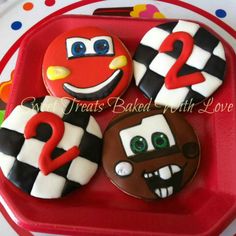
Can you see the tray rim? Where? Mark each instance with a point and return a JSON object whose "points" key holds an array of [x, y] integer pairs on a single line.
{"points": [[31, 225]]}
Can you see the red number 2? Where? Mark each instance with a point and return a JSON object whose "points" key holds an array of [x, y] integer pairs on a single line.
{"points": [[46, 163], [172, 80]]}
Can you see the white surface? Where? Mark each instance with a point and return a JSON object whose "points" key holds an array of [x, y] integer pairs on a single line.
{"points": [[230, 230], [5, 228]]}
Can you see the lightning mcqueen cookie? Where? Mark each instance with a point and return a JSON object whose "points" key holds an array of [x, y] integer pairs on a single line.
{"points": [[87, 64], [150, 155]]}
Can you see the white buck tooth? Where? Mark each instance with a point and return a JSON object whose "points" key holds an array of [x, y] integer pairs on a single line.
{"points": [[150, 175], [164, 193], [175, 168], [170, 190], [165, 172], [156, 172], [145, 176], [158, 192]]}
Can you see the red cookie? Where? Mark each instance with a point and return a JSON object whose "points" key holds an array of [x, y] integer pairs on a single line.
{"points": [[87, 64], [150, 155]]}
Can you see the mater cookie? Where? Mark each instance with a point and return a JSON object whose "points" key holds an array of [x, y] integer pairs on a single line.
{"points": [[150, 155]]}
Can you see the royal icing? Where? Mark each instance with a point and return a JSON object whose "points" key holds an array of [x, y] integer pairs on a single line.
{"points": [[179, 62], [150, 155]]}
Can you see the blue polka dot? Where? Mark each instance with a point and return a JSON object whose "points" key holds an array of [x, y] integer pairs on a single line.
{"points": [[221, 13], [16, 25]]}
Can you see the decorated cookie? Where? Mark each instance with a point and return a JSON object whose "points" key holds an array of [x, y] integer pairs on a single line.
{"points": [[150, 155], [179, 62], [87, 64], [48, 147]]}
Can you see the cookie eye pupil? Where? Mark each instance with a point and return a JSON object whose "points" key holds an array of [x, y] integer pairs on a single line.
{"points": [[160, 140], [78, 49], [138, 144], [101, 46]]}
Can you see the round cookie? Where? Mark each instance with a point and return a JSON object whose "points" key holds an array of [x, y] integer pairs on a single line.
{"points": [[48, 147], [150, 155], [87, 64], [179, 62]]}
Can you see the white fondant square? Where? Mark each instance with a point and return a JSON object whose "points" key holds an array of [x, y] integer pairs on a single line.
{"points": [[19, 118], [154, 38], [159, 124], [6, 163], [48, 186], [162, 63], [93, 127], [81, 170], [171, 97], [55, 105], [207, 87], [198, 58], [72, 136], [186, 26], [30, 152], [219, 51], [139, 71]]}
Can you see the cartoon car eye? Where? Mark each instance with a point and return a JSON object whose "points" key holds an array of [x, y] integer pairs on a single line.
{"points": [[78, 49], [144, 137], [96, 46], [160, 140], [138, 144], [101, 46]]}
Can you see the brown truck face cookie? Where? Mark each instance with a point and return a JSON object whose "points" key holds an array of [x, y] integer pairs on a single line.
{"points": [[150, 155]]}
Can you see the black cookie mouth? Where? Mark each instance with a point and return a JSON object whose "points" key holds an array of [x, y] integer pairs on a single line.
{"points": [[97, 92], [165, 181]]}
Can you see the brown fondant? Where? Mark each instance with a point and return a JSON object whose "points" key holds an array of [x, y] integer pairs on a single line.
{"points": [[185, 154]]}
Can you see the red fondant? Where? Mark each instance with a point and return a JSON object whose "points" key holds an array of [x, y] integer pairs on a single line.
{"points": [[172, 80], [46, 163], [86, 71]]}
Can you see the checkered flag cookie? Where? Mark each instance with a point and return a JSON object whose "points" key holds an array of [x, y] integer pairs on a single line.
{"points": [[151, 66], [19, 157]]}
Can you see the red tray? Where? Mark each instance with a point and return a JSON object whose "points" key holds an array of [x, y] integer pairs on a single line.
{"points": [[204, 207]]}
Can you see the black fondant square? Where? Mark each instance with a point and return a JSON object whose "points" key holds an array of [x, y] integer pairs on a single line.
{"points": [[62, 171], [43, 132], [23, 175], [11, 142], [91, 147], [186, 70], [205, 40], [177, 49], [193, 97], [70, 186], [216, 67], [168, 26], [145, 55], [75, 116], [151, 83], [34, 103]]}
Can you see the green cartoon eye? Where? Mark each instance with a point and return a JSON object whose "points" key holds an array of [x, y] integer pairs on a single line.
{"points": [[160, 140], [138, 144]]}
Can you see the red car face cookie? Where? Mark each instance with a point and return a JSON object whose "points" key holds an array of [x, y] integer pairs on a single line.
{"points": [[48, 147], [88, 64], [150, 155]]}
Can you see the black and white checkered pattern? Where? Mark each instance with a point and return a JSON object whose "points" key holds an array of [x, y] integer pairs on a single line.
{"points": [[19, 156], [151, 66]]}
